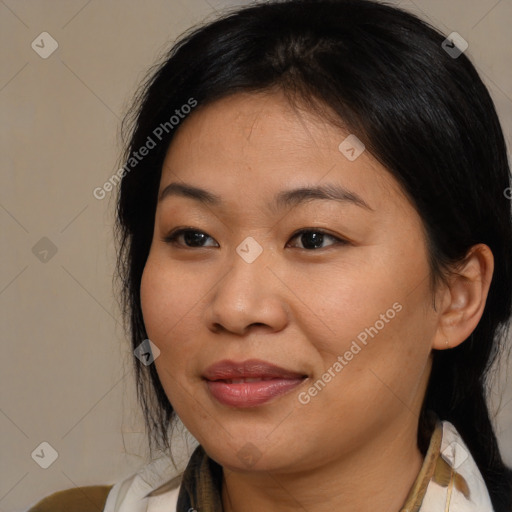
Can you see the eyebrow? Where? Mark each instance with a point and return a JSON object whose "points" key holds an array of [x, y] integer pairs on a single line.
{"points": [[284, 199]]}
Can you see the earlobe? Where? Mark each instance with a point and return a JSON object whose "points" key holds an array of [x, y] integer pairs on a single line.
{"points": [[464, 298]]}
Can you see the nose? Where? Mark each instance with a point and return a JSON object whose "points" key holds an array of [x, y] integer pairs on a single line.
{"points": [[249, 296]]}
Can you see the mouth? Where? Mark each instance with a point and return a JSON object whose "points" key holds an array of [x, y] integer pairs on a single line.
{"points": [[249, 383]]}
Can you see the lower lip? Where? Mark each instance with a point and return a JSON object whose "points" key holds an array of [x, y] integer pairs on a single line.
{"points": [[250, 394]]}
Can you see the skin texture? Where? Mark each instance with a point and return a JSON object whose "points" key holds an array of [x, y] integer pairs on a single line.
{"points": [[352, 447]]}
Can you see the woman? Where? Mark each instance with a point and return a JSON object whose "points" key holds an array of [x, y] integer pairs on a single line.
{"points": [[315, 237]]}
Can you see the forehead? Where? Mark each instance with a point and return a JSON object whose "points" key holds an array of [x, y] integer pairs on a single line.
{"points": [[253, 144], [254, 121]]}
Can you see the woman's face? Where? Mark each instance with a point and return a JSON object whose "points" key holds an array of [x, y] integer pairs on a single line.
{"points": [[344, 308]]}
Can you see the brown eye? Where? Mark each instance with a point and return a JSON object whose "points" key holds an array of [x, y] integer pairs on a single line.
{"points": [[191, 237], [310, 239], [313, 238]]}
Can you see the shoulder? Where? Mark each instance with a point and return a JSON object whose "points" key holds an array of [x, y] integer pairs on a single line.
{"points": [[78, 499]]}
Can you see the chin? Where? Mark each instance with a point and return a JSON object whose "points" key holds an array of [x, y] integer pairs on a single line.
{"points": [[255, 453]]}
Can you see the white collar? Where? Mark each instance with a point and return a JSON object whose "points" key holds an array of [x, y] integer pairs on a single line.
{"points": [[129, 495], [439, 498]]}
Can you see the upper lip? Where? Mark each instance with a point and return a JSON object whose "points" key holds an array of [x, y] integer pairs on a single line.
{"points": [[251, 368]]}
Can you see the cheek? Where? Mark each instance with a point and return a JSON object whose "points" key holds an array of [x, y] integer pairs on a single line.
{"points": [[164, 299], [162, 306], [377, 322], [152, 298], [171, 312], [161, 312], [346, 304]]}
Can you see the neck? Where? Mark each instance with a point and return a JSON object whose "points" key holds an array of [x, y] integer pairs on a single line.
{"points": [[379, 476]]}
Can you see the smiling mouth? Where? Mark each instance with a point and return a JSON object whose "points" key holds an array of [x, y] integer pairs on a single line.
{"points": [[249, 383]]}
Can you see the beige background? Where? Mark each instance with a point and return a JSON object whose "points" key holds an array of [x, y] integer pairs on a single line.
{"points": [[66, 372]]}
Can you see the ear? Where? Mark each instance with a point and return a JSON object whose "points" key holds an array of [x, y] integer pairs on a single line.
{"points": [[463, 299]]}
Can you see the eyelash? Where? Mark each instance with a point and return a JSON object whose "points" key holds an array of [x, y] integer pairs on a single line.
{"points": [[171, 237]]}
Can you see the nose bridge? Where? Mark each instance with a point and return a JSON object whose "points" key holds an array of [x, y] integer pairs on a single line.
{"points": [[248, 292], [250, 250], [248, 274]]}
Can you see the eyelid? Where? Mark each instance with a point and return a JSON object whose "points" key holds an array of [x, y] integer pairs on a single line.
{"points": [[170, 238], [339, 240], [175, 233]]}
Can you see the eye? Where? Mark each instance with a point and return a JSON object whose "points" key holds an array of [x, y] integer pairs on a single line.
{"points": [[312, 238], [192, 237]]}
